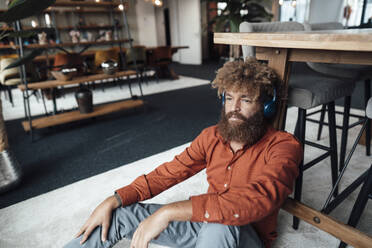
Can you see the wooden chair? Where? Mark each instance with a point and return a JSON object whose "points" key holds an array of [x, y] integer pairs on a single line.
{"points": [[136, 59]]}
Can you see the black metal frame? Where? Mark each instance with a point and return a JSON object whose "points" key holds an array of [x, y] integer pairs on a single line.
{"points": [[364, 194], [331, 152], [346, 125]]}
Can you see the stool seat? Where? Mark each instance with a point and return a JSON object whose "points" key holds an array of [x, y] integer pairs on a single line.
{"points": [[311, 89]]}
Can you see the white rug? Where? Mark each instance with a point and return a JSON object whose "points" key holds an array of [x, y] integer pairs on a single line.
{"points": [[51, 219]]}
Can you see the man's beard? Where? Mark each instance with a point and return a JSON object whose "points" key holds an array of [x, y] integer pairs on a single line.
{"points": [[247, 131]]}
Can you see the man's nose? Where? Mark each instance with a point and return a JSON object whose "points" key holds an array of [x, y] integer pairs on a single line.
{"points": [[236, 106]]}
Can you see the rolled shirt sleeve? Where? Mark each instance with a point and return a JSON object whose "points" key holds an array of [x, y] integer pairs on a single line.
{"points": [[188, 163]]}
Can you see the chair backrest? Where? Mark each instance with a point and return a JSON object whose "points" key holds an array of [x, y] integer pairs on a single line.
{"points": [[266, 27], [369, 108], [104, 55], [323, 26], [138, 54], [8, 73], [335, 70]]}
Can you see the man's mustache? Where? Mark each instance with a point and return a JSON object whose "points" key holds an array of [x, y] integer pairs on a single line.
{"points": [[236, 115]]}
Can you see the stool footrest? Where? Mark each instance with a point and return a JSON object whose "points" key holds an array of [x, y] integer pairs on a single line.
{"points": [[316, 160], [345, 193], [325, 148]]}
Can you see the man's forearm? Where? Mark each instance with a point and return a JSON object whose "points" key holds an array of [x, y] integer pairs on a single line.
{"points": [[177, 211]]}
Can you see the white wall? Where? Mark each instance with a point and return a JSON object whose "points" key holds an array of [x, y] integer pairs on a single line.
{"points": [[160, 27], [146, 24], [185, 26], [325, 11]]}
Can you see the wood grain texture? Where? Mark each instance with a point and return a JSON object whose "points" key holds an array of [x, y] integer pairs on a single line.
{"points": [[320, 56], [328, 224], [78, 80], [345, 40], [69, 3], [71, 116]]}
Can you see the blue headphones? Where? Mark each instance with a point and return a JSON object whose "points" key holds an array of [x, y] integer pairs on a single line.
{"points": [[269, 107]]}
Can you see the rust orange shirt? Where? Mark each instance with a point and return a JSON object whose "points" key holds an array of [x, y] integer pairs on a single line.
{"points": [[246, 187]]}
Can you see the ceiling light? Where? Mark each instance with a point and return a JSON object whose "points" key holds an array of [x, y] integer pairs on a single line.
{"points": [[33, 23], [158, 3], [121, 7]]}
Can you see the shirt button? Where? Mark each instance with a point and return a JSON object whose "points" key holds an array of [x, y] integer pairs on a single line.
{"points": [[225, 185], [206, 215], [236, 215], [229, 168]]}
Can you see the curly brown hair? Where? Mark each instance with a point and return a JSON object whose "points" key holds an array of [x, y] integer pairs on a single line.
{"points": [[251, 76]]}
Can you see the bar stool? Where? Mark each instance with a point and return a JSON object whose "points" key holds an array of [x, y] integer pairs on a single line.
{"points": [[354, 72], [365, 179], [307, 89]]}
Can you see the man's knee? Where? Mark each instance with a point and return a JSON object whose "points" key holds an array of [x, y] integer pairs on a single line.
{"points": [[123, 224], [218, 235]]}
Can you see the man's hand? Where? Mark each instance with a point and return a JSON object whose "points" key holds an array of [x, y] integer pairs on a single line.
{"points": [[101, 216], [151, 227]]}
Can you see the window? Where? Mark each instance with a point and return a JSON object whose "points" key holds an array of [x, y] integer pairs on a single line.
{"points": [[352, 12], [294, 10]]}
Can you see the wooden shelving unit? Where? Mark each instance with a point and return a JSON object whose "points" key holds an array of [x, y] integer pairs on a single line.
{"points": [[72, 116], [78, 11], [77, 7], [86, 27], [65, 3], [66, 44]]}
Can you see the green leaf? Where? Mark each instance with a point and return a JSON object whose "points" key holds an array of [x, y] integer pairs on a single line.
{"points": [[22, 34], [25, 59], [20, 9], [15, 3]]}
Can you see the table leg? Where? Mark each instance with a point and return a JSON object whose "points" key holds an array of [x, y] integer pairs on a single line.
{"points": [[278, 60]]}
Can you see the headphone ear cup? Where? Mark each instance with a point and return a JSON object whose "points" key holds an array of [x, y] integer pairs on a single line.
{"points": [[269, 109], [270, 106]]}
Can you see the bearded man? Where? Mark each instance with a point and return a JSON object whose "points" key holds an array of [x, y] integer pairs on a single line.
{"points": [[250, 170]]}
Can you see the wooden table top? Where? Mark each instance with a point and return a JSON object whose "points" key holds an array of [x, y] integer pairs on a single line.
{"points": [[345, 40]]}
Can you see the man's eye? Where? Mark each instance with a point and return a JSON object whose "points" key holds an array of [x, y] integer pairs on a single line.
{"points": [[246, 100], [228, 98]]}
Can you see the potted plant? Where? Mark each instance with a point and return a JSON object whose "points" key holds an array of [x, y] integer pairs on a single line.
{"points": [[228, 17]]}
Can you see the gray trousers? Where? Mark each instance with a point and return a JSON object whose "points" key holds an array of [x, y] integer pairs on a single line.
{"points": [[183, 234]]}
